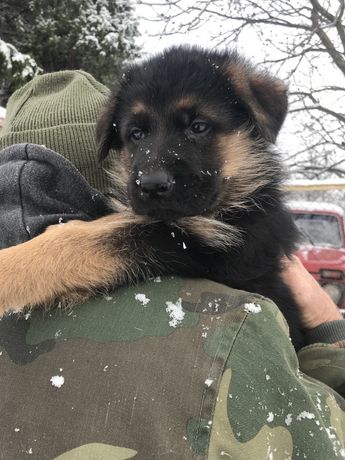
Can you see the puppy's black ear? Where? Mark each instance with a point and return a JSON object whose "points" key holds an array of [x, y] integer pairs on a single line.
{"points": [[264, 96], [107, 129]]}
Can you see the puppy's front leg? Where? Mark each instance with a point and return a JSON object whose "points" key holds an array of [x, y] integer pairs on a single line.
{"points": [[65, 261]]}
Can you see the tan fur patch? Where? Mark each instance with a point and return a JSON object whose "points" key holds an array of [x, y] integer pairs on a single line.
{"points": [[119, 173], [235, 150], [184, 103], [260, 80], [204, 110], [240, 76], [64, 259], [246, 80], [212, 232], [139, 107], [246, 168]]}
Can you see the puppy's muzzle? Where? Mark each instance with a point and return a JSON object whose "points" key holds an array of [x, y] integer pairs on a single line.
{"points": [[156, 184]]}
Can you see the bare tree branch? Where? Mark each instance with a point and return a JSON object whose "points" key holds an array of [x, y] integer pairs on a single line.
{"points": [[337, 57]]}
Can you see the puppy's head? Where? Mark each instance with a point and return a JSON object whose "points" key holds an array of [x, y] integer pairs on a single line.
{"points": [[189, 124]]}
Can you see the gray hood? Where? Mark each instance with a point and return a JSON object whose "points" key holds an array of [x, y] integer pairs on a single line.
{"points": [[39, 187]]}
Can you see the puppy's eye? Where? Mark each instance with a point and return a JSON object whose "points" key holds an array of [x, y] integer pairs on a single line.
{"points": [[137, 134], [199, 127]]}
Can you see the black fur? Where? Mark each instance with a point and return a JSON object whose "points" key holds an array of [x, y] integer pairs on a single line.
{"points": [[228, 174]]}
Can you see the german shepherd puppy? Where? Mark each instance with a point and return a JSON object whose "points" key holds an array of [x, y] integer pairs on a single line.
{"points": [[198, 187]]}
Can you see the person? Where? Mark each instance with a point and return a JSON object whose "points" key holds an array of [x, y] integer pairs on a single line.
{"points": [[171, 368]]}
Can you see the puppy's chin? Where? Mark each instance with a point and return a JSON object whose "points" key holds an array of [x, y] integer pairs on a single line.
{"points": [[166, 212], [160, 214]]}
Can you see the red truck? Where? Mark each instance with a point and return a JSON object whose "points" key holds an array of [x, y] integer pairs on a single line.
{"points": [[322, 246]]}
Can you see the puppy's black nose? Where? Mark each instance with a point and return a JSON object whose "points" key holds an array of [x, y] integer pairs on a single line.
{"points": [[156, 183]]}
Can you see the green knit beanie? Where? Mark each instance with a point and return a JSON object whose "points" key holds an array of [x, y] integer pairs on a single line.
{"points": [[59, 110]]}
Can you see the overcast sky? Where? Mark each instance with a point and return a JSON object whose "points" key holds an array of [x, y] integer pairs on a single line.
{"points": [[152, 39]]}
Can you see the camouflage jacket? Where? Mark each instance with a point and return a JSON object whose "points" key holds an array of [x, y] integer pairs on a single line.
{"points": [[170, 369]]}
